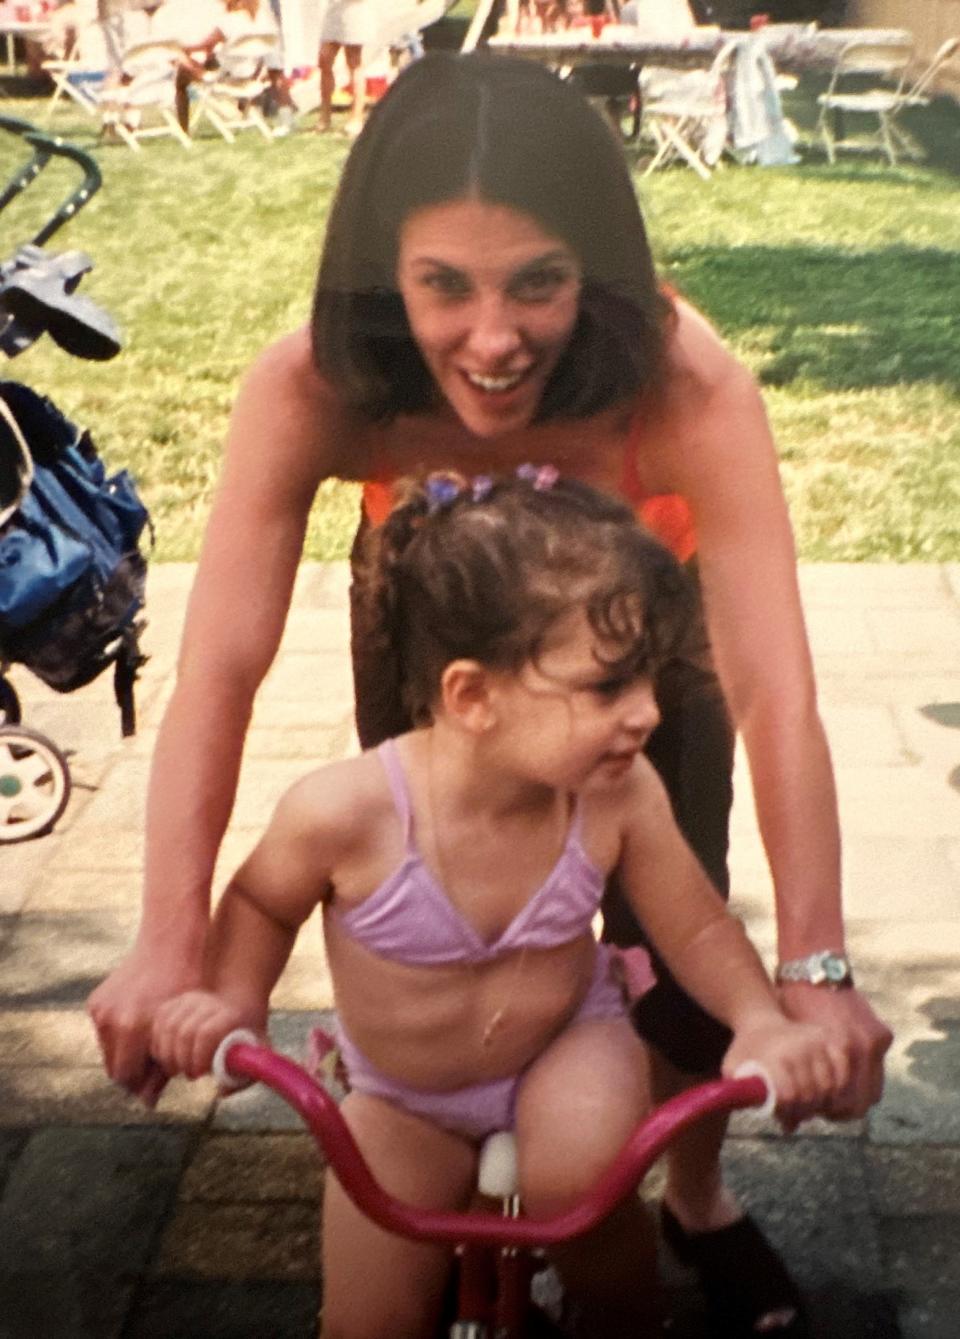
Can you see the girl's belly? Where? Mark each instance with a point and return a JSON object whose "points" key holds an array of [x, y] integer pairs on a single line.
{"points": [[440, 1028]]}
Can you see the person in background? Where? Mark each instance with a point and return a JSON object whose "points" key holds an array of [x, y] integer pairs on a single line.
{"points": [[347, 25], [229, 20]]}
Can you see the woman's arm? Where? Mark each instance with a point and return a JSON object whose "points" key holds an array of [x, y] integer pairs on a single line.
{"points": [[709, 953], [724, 462], [276, 454]]}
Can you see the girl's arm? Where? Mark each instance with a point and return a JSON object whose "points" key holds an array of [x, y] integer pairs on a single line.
{"points": [[724, 462], [256, 923], [275, 457], [707, 950]]}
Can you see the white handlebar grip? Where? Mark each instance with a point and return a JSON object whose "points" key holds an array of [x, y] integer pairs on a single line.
{"points": [[752, 1069], [218, 1065]]}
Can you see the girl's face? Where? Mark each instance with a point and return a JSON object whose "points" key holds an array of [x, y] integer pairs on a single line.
{"points": [[492, 300], [567, 718]]}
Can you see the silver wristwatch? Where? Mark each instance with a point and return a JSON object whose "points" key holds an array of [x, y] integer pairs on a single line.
{"points": [[824, 968]]}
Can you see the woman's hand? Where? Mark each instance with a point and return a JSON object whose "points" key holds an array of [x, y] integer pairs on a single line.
{"points": [[123, 1008], [187, 1030], [852, 1024], [807, 1067]]}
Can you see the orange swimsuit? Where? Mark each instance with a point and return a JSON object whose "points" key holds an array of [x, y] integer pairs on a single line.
{"points": [[666, 515]]}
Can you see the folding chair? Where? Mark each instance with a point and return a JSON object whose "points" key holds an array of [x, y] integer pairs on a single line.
{"points": [[884, 102], [229, 97], [684, 113], [148, 84], [80, 74]]}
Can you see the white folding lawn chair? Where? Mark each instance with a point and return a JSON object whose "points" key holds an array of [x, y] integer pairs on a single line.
{"points": [[684, 113], [80, 74], [229, 97], [142, 103], [882, 102]]}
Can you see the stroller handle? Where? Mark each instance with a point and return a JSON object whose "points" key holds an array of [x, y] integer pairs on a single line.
{"points": [[238, 1058], [54, 146]]}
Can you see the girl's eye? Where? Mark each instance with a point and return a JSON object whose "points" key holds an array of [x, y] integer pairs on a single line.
{"points": [[609, 689]]}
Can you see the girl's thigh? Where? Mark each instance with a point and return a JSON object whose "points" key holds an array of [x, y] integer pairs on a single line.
{"points": [[375, 1283], [577, 1105]]}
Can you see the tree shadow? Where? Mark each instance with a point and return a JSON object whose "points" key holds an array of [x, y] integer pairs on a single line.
{"points": [[822, 314]]}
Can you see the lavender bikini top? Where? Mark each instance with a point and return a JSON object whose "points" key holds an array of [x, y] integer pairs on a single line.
{"points": [[410, 919]]}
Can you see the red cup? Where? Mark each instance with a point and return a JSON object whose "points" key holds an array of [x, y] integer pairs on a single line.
{"points": [[597, 24], [759, 21]]}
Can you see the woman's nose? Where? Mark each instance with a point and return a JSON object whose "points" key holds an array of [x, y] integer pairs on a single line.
{"points": [[493, 335]]}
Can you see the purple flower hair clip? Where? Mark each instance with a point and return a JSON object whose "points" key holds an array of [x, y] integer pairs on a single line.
{"points": [[542, 477], [442, 491], [480, 487]]}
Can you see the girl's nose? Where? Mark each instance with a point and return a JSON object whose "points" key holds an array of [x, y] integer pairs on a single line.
{"points": [[641, 714]]}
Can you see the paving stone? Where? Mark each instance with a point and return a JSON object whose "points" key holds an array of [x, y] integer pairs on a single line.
{"points": [[254, 1167], [58, 958], [811, 1198], [190, 1309], [45, 1095], [47, 1037], [921, 1253], [930, 1315], [242, 1241], [910, 1181], [11, 1145], [78, 1220]]}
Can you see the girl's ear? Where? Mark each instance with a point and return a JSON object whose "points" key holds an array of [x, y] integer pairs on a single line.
{"points": [[465, 694]]}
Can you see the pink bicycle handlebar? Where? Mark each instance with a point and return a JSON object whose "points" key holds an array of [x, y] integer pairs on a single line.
{"points": [[320, 1113]]}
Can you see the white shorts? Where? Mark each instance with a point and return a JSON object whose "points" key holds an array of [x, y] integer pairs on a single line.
{"points": [[350, 22]]}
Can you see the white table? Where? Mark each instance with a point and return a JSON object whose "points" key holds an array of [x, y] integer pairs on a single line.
{"points": [[10, 29], [793, 47]]}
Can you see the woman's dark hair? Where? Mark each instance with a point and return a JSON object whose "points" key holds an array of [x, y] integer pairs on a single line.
{"points": [[508, 132], [484, 569]]}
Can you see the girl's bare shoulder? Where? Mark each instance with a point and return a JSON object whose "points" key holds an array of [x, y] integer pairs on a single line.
{"points": [[637, 800], [343, 806]]}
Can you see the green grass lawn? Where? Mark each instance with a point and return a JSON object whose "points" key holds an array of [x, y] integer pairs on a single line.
{"points": [[839, 286]]}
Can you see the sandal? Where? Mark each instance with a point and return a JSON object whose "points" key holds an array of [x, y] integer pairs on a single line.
{"points": [[745, 1283]]}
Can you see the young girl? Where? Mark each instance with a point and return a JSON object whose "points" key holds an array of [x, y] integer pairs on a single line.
{"points": [[460, 868]]}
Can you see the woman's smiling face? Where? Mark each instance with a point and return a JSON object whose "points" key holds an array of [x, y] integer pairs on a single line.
{"points": [[492, 300]]}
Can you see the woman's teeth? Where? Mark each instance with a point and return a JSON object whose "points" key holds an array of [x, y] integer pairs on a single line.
{"points": [[495, 383]]}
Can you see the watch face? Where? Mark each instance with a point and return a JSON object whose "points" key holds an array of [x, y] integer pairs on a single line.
{"points": [[835, 969]]}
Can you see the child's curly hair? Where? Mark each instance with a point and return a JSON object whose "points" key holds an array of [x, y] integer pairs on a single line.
{"points": [[483, 569]]}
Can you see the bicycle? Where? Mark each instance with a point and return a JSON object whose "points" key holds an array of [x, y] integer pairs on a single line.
{"points": [[496, 1254]]}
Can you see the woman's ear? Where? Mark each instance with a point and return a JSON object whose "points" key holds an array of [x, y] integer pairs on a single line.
{"points": [[465, 694]]}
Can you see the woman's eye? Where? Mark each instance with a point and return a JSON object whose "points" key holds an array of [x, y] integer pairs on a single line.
{"points": [[447, 283], [538, 285]]}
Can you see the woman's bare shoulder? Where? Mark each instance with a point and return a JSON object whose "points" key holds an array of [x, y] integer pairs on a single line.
{"points": [[700, 364], [285, 395]]}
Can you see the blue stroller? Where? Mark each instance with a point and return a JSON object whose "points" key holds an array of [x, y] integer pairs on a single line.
{"points": [[71, 571]]}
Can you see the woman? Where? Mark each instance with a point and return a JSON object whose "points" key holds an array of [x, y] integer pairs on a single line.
{"points": [[486, 297]]}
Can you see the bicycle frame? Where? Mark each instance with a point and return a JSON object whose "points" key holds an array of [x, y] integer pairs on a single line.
{"points": [[478, 1234]]}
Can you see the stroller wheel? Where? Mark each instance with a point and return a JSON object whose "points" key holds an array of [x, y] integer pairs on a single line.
{"points": [[34, 783], [9, 703]]}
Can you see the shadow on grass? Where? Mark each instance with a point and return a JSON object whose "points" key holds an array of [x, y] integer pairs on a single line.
{"points": [[845, 321]]}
